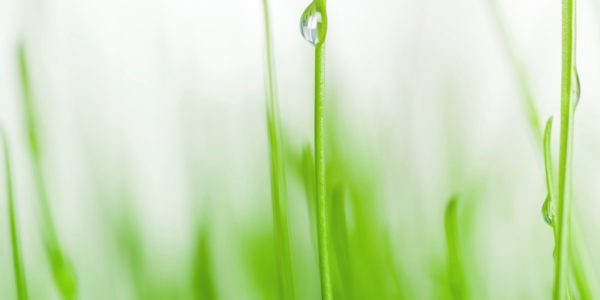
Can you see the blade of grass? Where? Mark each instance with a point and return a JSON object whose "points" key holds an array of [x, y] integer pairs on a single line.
{"points": [[278, 180], [578, 258], [549, 170], [566, 146], [455, 269], [18, 266], [583, 274], [320, 163], [204, 283], [62, 269], [344, 281]]}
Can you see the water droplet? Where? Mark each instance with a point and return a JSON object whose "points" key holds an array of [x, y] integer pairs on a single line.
{"points": [[313, 25], [548, 210], [575, 88]]}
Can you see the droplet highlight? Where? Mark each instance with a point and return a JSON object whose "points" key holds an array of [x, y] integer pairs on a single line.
{"points": [[575, 88], [548, 210], [313, 25]]}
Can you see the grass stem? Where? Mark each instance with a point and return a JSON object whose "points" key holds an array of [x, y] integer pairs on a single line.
{"points": [[565, 156], [323, 230], [278, 179]]}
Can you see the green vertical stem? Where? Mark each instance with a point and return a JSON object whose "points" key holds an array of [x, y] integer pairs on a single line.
{"points": [[278, 181], [323, 230], [18, 267], [566, 147]]}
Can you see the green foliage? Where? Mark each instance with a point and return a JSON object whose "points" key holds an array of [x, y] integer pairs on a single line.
{"points": [[19, 268]]}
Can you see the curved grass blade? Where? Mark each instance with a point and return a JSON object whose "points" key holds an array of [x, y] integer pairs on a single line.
{"points": [[19, 269], [62, 269], [578, 257]]}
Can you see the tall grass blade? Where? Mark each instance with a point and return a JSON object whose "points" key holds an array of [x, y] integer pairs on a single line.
{"points": [[62, 269], [204, 283], [323, 230], [278, 179], [565, 156], [19, 269]]}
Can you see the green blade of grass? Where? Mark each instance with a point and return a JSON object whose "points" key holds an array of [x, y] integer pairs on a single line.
{"points": [[278, 180], [565, 155], [204, 281], [549, 171], [19, 269], [578, 257], [583, 274], [62, 269], [455, 269], [323, 230]]}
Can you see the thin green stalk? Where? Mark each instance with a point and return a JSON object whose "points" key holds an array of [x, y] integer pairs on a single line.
{"points": [[566, 146], [323, 230], [278, 181], [64, 275], [19, 269]]}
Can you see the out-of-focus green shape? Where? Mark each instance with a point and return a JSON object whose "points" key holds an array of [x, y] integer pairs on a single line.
{"points": [[365, 238], [203, 281], [127, 235], [343, 284], [518, 69], [62, 269], [18, 266], [455, 266], [259, 251], [278, 179]]}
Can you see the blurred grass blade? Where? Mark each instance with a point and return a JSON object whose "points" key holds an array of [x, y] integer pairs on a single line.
{"points": [[278, 180], [204, 283], [342, 262], [62, 269], [518, 69], [19, 269], [455, 267], [583, 274]]}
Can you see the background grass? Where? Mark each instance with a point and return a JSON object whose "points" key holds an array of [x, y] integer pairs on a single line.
{"points": [[145, 126]]}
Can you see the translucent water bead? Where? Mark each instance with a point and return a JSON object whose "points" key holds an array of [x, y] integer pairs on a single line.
{"points": [[313, 25]]}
